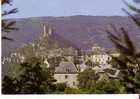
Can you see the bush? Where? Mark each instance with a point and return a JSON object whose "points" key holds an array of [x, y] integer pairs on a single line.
{"points": [[69, 90], [60, 87]]}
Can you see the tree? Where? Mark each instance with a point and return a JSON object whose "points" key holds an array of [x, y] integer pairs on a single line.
{"points": [[34, 79], [55, 61], [8, 26], [89, 63], [110, 86], [8, 86], [90, 83], [78, 57], [129, 59], [87, 79], [60, 87]]}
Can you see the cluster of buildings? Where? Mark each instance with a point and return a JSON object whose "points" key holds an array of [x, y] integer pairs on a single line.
{"points": [[71, 64]]}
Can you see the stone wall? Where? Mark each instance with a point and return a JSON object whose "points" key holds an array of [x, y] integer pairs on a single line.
{"points": [[70, 79]]}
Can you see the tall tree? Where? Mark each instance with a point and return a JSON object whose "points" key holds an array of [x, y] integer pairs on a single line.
{"points": [[129, 59], [34, 79]]}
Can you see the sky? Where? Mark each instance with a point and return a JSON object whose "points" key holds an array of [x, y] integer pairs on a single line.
{"points": [[35, 8]]}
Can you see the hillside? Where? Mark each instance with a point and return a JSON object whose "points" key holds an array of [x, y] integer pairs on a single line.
{"points": [[78, 31]]}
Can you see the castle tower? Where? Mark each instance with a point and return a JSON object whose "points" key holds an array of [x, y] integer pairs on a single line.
{"points": [[44, 31], [47, 31], [50, 31]]}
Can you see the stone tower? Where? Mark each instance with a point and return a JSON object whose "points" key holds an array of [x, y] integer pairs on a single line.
{"points": [[47, 31]]}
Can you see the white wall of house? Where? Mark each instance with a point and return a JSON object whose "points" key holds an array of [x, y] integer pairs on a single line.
{"points": [[98, 58], [101, 58], [70, 79]]}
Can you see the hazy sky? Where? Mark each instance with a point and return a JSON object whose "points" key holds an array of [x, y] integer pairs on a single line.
{"points": [[30, 8]]}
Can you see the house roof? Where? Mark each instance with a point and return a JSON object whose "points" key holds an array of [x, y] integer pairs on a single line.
{"points": [[66, 67]]}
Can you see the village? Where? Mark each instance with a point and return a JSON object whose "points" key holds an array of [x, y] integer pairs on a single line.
{"points": [[70, 47], [68, 62]]}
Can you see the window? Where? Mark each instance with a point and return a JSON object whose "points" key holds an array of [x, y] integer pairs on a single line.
{"points": [[73, 83], [66, 76], [67, 70]]}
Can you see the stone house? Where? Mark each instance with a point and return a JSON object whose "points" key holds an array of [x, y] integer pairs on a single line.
{"points": [[67, 73]]}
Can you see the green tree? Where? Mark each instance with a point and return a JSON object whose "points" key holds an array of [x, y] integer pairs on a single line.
{"points": [[8, 86], [60, 87], [55, 61], [87, 79], [89, 63], [110, 86], [34, 79], [129, 59], [91, 84]]}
